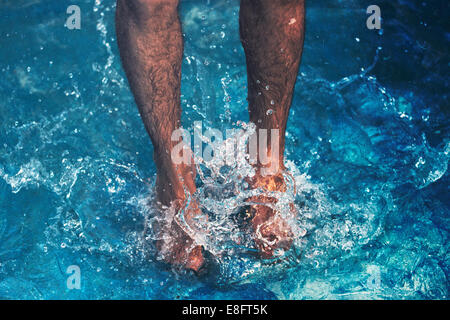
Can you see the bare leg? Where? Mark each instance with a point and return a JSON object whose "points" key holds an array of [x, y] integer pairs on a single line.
{"points": [[151, 48], [272, 34]]}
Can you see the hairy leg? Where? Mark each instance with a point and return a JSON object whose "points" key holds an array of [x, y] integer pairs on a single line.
{"points": [[151, 48], [272, 34]]}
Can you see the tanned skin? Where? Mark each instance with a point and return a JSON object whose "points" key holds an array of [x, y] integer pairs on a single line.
{"points": [[272, 34], [151, 48]]}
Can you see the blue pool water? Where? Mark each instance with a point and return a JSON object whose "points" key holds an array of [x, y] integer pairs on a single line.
{"points": [[367, 142]]}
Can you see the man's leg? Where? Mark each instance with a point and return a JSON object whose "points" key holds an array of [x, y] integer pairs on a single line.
{"points": [[151, 48], [272, 34]]}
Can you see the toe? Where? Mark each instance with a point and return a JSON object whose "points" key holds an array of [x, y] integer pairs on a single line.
{"points": [[195, 260]]}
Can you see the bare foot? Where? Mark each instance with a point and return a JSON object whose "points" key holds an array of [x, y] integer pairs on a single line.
{"points": [[271, 231], [173, 183], [176, 247]]}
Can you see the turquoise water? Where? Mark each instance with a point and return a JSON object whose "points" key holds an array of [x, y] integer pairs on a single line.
{"points": [[367, 143]]}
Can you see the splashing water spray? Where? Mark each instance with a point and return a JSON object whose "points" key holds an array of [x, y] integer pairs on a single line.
{"points": [[223, 194]]}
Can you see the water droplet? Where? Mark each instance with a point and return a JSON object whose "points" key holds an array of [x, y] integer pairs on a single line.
{"points": [[272, 102], [269, 112], [267, 87]]}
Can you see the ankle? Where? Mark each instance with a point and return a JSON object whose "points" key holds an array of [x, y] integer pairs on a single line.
{"points": [[270, 182]]}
